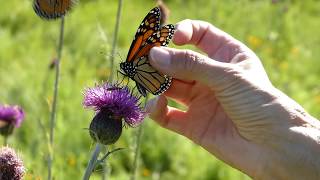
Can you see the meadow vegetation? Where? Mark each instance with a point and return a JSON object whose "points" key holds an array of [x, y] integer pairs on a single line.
{"points": [[284, 34]]}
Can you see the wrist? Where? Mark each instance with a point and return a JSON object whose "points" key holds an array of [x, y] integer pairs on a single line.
{"points": [[296, 155]]}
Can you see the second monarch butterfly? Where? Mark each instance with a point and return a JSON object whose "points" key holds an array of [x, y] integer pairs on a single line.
{"points": [[52, 9], [137, 65]]}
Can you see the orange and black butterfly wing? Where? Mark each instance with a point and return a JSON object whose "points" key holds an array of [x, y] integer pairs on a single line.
{"points": [[146, 77], [137, 66], [149, 79], [159, 38], [163, 36], [52, 9], [149, 25]]}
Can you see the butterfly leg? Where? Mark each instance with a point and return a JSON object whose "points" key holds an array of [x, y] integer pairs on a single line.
{"points": [[141, 89]]}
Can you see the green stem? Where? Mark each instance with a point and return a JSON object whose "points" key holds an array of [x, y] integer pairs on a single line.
{"points": [[104, 175], [137, 150], [113, 50], [115, 38], [55, 99], [103, 160], [105, 171], [92, 162], [5, 140], [137, 153]]}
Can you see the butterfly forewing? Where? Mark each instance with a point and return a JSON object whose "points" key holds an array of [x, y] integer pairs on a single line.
{"points": [[149, 25], [159, 38], [137, 65], [163, 36]]}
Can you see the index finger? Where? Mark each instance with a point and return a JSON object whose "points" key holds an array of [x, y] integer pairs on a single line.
{"points": [[206, 37]]}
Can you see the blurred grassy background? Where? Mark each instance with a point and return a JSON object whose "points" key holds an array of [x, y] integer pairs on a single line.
{"points": [[284, 34]]}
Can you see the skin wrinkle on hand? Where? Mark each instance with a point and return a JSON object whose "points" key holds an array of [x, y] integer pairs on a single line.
{"points": [[234, 111]]}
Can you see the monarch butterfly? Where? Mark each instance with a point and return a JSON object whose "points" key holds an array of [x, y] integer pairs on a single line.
{"points": [[52, 9], [137, 65]]}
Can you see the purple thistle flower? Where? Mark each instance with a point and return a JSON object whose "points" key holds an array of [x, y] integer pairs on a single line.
{"points": [[112, 104], [11, 166], [119, 100], [10, 116]]}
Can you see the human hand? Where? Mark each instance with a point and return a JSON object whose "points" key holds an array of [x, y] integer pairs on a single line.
{"points": [[233, 109]]}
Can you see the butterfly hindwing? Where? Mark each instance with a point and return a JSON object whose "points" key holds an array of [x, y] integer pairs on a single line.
{"points": [[141, 89], [137, 65], [150, 79]]}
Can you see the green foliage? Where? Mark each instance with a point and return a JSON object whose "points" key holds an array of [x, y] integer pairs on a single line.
{"points": [[283, 34]]}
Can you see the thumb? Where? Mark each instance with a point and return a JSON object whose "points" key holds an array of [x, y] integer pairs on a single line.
{"points": [[190, 65]]}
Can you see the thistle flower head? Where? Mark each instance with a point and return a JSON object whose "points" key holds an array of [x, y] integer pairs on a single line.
{"points": [[112, 103], [118, 100], [50, 10], [11, 166], [10, 116]]}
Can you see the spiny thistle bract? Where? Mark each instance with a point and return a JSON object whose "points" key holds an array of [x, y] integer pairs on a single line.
{"points": [[112, 103]]}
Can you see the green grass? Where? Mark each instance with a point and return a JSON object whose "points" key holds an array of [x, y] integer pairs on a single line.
{"points": [[284, 35]]}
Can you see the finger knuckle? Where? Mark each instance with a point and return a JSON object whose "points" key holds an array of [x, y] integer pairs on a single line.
{"points": [[191, 61]]}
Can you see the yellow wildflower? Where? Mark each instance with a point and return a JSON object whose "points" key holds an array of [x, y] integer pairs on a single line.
{"points": [[254, 42], [146, 172], [294, 51], [284, 65]]}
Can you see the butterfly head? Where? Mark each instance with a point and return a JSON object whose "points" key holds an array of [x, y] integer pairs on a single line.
{"points": [[128, 69]]}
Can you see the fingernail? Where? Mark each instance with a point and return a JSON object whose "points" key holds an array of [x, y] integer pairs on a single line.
{"points": [[160, 56], [151, 105]]}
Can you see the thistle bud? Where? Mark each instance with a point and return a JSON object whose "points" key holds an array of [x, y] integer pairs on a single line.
{"points": [[113, 105]]}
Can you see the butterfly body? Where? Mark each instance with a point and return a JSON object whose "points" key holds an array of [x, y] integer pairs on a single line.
{"points": [[137, 65], [128, 68]]}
